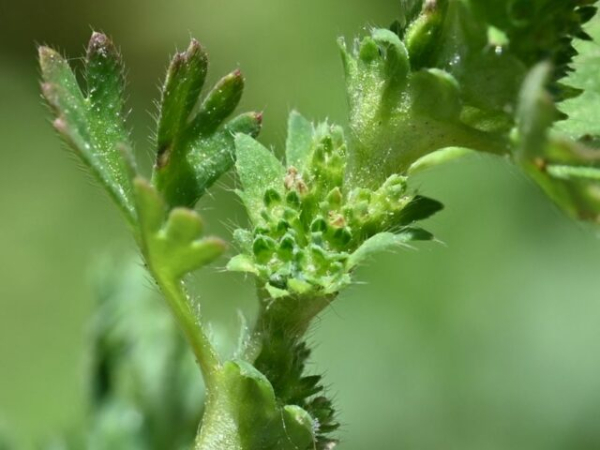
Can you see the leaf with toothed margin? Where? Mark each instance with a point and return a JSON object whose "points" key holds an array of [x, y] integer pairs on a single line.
{"points": [[196, 146], [172, 239], [582, 111], [249, 407], [299, 141], [93, 124], [386, 241], [259, 170], [568, 171]]}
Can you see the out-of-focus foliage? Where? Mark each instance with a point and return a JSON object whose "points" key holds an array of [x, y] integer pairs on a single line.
{"points": [[144, 387], [491, 350]]}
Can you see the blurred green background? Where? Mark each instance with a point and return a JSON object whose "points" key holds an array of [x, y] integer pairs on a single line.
{"points": [[488, 341]]}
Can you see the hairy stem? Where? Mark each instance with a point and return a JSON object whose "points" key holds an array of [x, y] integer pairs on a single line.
{"points": [[189, 321]]}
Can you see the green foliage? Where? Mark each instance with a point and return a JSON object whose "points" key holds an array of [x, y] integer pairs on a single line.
{"points": [[93, 125], [449, 77], [169, 236], [194, 147], [144, 391], [310, 229]]}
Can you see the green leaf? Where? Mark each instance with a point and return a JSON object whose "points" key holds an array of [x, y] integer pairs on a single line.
{"points": [[196, 147], [258, 170], [566, 170], [398, 116], [436, 93], [385, 241], [93, 125], [142, 379], [183, 84], [582, 111], [172, 246], [299, 141], [173, 242]]}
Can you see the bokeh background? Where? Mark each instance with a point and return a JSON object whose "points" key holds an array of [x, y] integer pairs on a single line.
{"points": [[487, 341]]}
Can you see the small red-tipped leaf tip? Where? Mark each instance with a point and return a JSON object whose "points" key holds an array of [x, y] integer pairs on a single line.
{"points": [[98, 39]]}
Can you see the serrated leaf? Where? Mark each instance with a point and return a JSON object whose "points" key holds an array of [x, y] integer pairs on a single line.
{"points": [[299, 141], [93, 125], [258, 170], [567, 171], [196, 147], [582, 111]]}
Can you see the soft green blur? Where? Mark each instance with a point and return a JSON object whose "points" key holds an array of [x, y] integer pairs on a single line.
{"points": [[487, 341]]}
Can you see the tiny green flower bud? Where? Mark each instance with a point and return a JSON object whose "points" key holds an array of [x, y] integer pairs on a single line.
{"points": [[282, 227], [319, 256], [263, 248], [290, 214], [317, 238], [369, 50], [271, 198], [293, 199], [335, 198], [319, 224], [342, 236], [286, 247]]}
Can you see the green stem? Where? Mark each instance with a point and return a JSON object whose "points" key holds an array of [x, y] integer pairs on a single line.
{"points": [[180, 304], [290, 315]]}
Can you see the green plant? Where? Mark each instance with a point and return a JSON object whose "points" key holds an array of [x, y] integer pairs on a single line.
{"points": [[448, 77]]}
